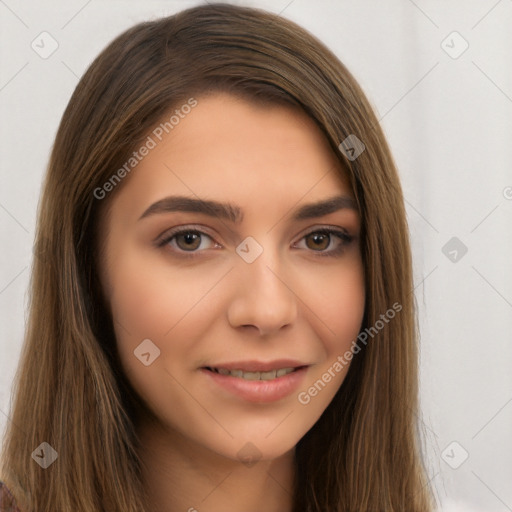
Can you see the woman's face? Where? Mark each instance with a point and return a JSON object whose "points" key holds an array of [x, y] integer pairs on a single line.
{"points": [[213, 306]]}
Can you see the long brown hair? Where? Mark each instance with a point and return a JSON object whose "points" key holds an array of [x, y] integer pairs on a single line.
{"points": [[364, 453]]}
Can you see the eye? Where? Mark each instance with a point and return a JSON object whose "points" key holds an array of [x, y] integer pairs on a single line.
{"points": [[327, 242], [186, 240], [324, 242]]}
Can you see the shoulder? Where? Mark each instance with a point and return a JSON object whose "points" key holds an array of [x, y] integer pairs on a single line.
{"points": [[7, 501]]}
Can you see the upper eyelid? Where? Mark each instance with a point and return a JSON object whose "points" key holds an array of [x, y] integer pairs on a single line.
{"points": [[168, 233], [201, 228]]}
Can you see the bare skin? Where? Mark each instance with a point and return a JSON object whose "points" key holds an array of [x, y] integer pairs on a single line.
{"points": [[204, 306]]}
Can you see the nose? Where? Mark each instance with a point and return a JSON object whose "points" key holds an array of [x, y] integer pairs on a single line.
{"points": [[263, 298]]}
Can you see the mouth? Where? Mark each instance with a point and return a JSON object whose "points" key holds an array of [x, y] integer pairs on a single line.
{"points": [[254, 381], [255, 375]]}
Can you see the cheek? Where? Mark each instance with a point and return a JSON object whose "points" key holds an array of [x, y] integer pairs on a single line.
{"points": [[344, 307], [339, 310], [172, 306], [149, 299], [165, 305], [339, 303]]}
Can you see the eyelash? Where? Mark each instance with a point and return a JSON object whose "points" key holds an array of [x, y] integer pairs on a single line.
{"points": [[345, 239]]}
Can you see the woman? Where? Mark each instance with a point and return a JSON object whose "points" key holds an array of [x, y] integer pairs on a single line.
{"points": [[221, 313]]}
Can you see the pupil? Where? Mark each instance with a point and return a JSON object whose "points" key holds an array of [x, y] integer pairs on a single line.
{"points": [[190, 239], [320, 239]]}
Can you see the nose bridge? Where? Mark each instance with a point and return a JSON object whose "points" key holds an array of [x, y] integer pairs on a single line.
{"points": [[263, 297]]}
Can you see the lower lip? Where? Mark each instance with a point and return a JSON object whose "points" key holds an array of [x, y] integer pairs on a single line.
{"points": [[259, 390]]}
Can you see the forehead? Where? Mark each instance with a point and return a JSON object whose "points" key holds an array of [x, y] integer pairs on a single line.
{"points": [[227, 148]]}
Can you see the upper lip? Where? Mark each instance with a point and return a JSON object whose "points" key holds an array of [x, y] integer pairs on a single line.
{"points": [[259, 366]]}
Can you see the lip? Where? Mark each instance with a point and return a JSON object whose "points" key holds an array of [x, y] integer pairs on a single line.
{"points": [[259, 391], [258, 366]]}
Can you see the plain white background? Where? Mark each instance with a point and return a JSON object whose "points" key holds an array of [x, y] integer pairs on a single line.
{"points": [[447, 112]]}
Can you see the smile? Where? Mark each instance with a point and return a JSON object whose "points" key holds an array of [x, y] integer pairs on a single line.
{"points": [[255, 381], [241, 374]]}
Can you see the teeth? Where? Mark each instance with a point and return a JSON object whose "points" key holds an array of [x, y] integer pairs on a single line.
{"points": [[251, 375], [272, 374], [268, 375]]}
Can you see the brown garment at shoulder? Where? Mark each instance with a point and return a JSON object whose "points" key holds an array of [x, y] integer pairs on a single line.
{"points": [[7, 501]]}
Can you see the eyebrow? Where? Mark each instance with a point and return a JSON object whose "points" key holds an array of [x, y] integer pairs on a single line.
{"points": [[233, 213]]}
